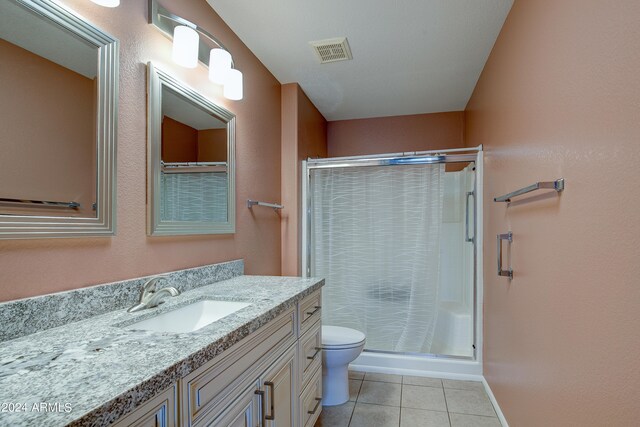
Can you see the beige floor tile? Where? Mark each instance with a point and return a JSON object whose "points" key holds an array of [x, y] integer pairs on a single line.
{"points": [[472, 402], [375, 416], [355, 375], [423, 381], [461, 420], [417, 397], [336, 416], [385, 378], [463, 385], [379, 393], [354, 389], [410, 417]]}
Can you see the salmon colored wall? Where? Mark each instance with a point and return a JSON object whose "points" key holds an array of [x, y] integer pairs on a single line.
{"points": [[32, 267], [419, 132], [51, 127], [559, 97], [182, 143], [304, 135], [212, 145], [179, 141]]}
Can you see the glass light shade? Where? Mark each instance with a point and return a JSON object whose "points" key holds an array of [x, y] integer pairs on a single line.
{"points": [[233, 86], [185, 46], [107, 3], [219, 65]]}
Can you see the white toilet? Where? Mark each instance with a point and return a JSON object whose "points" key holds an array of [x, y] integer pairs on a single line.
{"points": [[340, 346]]}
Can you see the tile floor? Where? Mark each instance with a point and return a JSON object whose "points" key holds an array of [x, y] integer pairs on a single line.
{"points": [[384, 400]]}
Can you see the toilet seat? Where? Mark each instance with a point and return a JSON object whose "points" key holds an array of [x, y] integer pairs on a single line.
{"points": [[338, 338]]}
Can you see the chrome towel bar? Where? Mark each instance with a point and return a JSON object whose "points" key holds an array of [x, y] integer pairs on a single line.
{"points": [[557, 185], [251, 203], [191, 164], [72, 205]]}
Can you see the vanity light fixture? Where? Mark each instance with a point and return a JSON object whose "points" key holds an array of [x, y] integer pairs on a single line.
{"points": [[189, 48], [219, 65], [107, 3], [233, 86], [185, 46]]}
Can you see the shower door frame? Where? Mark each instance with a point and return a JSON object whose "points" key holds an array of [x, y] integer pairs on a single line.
{"points": [[461, 365]]}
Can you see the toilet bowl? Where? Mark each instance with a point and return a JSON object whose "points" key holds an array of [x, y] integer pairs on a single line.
{"points": [[340, 346]]}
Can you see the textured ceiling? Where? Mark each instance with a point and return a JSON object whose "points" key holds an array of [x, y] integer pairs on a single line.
{"points": [[409, 56]]}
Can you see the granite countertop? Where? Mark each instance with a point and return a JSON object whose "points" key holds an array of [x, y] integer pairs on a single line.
{"points": [[100, 370]]}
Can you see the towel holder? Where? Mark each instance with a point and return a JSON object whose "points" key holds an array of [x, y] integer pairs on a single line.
{"points": [[252, 203], [509, 238], [557, 185]]}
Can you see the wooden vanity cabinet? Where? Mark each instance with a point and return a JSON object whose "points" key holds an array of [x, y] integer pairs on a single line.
{"points": [[268, 401], [272, 378], [210, 390], [310, 360]]}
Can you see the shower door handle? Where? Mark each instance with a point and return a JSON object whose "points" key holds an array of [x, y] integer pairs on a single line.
{"points": [[466, 219]]}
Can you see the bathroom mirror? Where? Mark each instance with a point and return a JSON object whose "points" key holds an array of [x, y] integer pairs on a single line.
{"points": [[58, 115], [190, 158]]}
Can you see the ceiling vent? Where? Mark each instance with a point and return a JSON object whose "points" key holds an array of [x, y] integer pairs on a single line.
{"points": [[332, 50]]}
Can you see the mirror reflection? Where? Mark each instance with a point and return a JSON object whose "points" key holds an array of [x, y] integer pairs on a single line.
{"points": [[49, 86], [191, 160], [194, 162]]}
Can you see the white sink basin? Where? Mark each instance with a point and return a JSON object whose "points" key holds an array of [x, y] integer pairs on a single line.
{"points": [[190, 317]]}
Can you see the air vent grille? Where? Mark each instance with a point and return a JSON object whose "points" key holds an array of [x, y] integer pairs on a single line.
{"points": [[332, 50]]}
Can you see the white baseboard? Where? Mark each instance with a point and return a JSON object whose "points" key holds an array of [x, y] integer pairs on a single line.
{"points": [[494, 402]]}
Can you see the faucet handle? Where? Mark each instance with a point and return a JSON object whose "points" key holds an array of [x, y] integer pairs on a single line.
{"points": [[150, 285]]}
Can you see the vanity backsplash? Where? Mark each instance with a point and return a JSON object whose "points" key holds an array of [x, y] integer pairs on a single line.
{"points": [[27, 316]]}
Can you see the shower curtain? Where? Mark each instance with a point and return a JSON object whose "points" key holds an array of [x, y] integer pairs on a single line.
{"points": [[375, 238]]}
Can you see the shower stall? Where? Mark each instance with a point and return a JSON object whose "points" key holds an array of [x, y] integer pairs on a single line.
{"points": [[395, 236]]}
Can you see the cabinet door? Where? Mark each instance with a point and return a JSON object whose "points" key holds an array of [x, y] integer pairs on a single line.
{"points": [[278, 384], [243, 412], [160, 411]]}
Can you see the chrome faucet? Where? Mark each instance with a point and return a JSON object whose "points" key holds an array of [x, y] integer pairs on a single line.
{"points": [[150, 297]]}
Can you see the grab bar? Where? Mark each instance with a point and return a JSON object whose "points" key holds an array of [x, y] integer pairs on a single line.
{"points": [[509, 238], [72, 205], [466, 219], [557, 185]]}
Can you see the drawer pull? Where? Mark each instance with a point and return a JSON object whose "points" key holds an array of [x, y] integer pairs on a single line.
{"points": [[318, 350], [311, 313], [273, 412], [315, 408]]}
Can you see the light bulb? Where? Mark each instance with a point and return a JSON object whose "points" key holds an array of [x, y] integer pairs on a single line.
{"points": [[233, 86], [219, 65], [185, 46], [107, 3]]}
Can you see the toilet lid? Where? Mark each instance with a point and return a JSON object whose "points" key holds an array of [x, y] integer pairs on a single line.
{"points": [[337, 336]]}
